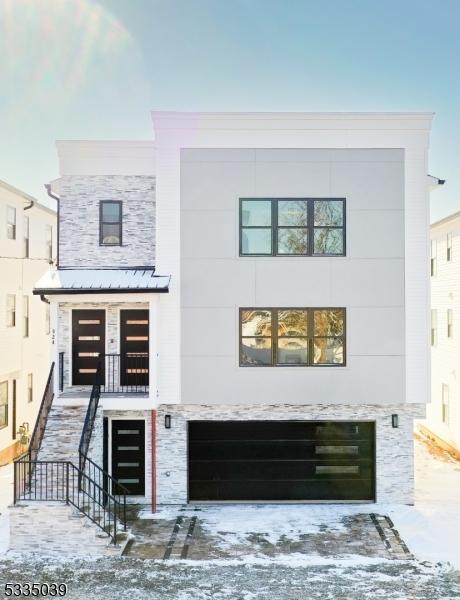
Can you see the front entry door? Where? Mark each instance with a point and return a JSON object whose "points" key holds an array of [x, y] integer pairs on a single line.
{"points": [[134, 348], [88, 344], [128, 455]]}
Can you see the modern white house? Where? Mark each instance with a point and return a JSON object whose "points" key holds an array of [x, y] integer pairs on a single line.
{"points": [[27, 251], [443, 413], [247, 296]]}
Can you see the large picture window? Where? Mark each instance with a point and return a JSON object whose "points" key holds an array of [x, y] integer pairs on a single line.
{"points": [[292, 227], [110, 223], [292, 337]]}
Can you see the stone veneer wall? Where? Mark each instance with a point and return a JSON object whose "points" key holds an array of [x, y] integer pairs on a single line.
{"points": [[112, 319], [138, 414], [79, 221], [394, 446]]}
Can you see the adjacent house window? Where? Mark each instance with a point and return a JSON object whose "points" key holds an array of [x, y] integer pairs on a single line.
{"points": [[449, 247], [10, 222], [10, 310], [110, 216], [434, 266], [26, 237], [26, 315], [292, 227], [3, 404], [30, 388], [292, 336], [434, 327], [450, 323], [47, 319], [445, 404], [49, 242]]}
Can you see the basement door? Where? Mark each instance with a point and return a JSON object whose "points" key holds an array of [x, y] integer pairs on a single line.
{"points": [[134, 348], [281, 461], [88, 344], [128, 454]]}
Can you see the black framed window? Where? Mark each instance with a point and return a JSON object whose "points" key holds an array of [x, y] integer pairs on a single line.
{"points": [[292, 336], [11, 222], [3, 404], [292, 227], [110, 218]]}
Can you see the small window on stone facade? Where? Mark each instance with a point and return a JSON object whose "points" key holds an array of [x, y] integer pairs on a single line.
{"points": [[110, 214]]}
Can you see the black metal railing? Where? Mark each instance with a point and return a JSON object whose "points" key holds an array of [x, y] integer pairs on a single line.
{"points": [[43, 412], [61, 371], [88, 425], [117, 373], [125, 373], [62, 481]]}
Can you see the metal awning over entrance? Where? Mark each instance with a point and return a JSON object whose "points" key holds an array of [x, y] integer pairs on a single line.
{"points": [[102, 281]]}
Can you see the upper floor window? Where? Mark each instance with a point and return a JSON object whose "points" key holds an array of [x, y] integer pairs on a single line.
{"points": [[10, 222], [450, 323], [434, 327], [10, 310], [47, 319], [292, 336], [30, 387], [110, 215], [434, 265], [292, 227], [26, 237], [3, 404], [26, 315], [449, 247], [445, 404], [49, 242]]}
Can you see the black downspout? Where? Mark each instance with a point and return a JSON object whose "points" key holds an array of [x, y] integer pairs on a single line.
{"points": [[30, 205], [51, 195]]}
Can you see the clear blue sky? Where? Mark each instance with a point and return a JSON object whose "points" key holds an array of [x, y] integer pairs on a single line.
{"points": [[73, 69]]}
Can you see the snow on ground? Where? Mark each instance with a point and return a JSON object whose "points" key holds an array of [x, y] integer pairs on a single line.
{"points": [[431, 528], [6, 498]]}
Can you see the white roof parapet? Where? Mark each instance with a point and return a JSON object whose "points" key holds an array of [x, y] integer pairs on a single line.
{"points": [[97, 281]]}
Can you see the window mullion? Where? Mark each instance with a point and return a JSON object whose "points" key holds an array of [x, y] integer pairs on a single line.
{"points": [[274, 312], [274, 227]]}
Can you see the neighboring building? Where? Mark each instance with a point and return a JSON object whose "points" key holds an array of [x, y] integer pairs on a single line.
{"points": [[443, 414], [258, 286], [27, 248]]}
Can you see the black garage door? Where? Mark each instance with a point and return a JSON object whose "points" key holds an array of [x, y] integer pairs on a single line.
{"points": [[281, 460]]}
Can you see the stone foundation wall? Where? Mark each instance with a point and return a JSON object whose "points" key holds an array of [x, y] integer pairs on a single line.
{"points": [[394, 446]]}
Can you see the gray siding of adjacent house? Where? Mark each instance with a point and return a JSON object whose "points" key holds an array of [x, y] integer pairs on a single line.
{"points": [[369, 281], [79, 220]]}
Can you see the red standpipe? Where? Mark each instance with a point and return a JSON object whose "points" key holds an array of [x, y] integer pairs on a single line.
{"points": [[154, 461]]}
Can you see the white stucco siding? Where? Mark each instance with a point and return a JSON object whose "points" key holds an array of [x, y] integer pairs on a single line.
{"points": [[368, 282]]}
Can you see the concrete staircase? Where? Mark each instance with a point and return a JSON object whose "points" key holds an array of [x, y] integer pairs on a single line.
{"points": [[56, 528]]}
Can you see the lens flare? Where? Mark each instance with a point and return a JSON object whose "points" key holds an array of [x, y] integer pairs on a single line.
{"points": [[51, 49]]}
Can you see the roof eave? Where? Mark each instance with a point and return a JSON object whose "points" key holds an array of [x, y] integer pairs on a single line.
{"points": [[66, 291]]}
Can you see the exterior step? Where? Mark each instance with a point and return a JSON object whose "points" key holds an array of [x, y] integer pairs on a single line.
{"points": [[51, 529]]}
